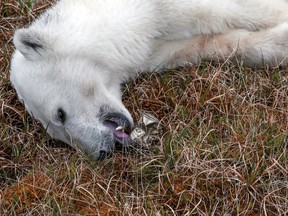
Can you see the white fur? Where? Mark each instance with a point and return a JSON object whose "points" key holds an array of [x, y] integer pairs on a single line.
{"points": [[77, 54]]}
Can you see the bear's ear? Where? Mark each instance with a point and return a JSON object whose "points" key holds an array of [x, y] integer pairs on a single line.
{"points": [[29, 43]]}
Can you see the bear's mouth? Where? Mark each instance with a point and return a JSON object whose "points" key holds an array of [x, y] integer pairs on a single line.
{"points": [[120, 133]]}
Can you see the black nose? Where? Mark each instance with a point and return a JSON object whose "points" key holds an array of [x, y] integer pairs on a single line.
{"points": [[103, 154]]}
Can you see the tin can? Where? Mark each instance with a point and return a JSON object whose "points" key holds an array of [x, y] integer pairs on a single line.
{"points": [[147, 131]]}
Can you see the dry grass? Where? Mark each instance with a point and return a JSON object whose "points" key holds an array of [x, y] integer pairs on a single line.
{"points": [[224, 151]]}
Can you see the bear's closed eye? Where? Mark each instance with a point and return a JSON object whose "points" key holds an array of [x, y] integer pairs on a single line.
{"points": [[61, 115]]}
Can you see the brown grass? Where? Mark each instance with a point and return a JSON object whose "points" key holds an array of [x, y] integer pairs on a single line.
{"points": [[224, 150]]}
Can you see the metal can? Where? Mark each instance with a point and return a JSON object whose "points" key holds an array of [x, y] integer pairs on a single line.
{"points": [[147, 131]]}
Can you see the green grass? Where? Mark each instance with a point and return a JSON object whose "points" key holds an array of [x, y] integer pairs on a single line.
{"points": [[223, 152]]}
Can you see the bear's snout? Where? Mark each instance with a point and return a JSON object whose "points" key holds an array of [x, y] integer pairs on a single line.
{"points": [[120, 126]]}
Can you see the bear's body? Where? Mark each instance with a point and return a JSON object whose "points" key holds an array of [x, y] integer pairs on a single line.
{"points": [[69, 64]]}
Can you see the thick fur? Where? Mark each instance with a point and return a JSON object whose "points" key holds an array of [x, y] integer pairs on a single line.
{"points": [[75, 56]]}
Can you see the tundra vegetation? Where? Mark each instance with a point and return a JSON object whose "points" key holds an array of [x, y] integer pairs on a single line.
{"points": [[223, 151]]}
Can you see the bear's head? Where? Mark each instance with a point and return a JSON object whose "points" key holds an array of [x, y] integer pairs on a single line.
{"points": [[77, 100]]}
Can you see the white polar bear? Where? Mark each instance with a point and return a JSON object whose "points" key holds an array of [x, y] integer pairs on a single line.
{"points": [[69, 64]]}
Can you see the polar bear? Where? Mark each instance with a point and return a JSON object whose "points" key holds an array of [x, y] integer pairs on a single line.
{"points": [[69, 64]]}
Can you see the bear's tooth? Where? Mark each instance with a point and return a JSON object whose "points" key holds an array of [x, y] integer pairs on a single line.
{"points": [[119, 128]]}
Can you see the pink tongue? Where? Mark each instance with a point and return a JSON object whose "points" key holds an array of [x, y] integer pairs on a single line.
{"points": [[120, 134]]}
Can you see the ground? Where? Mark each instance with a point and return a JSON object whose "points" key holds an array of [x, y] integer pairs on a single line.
{"points": [[223, 151]]}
